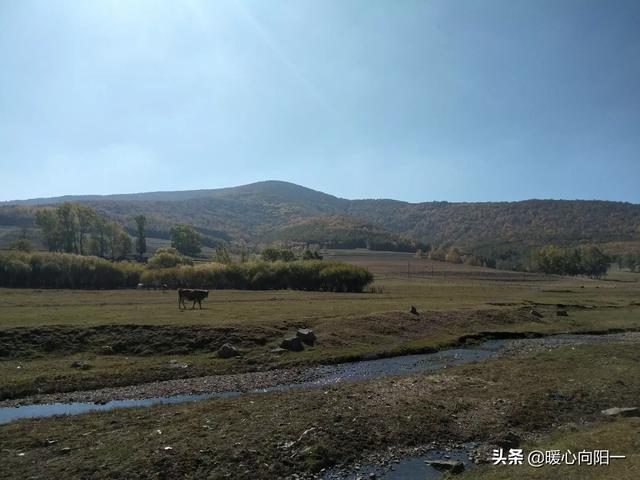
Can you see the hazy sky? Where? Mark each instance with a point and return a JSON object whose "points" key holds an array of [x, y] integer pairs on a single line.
{"points": [[414, 100]]}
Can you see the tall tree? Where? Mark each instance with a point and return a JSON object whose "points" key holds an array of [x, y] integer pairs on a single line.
{"points": [[86, 219], [141, 238], [48, 221], [593, 262], [99, 239], [118, 241], [222, 254], [186, 239], [124, 245], [68, 226], [243, 254]]}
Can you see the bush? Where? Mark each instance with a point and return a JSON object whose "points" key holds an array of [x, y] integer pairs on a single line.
{"points": [[167, 258], [309, 255], [273, 254], [344, 278], [22, 245]]}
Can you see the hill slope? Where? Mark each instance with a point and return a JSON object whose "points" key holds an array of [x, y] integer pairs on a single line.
{"points": [[273, 210]]}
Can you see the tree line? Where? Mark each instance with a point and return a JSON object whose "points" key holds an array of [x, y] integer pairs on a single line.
{"points": [[79, 229], [585, 260], [588, 260], [628, 261]]}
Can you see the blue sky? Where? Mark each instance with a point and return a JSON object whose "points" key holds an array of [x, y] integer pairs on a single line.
{"points": [[457, 100]]}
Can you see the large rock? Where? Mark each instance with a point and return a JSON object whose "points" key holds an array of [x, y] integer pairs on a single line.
{"points": [[81, 364], [293, 344], [453, 466], [227, 351], [306, 335], [622, 412], [562, 313], [535, 313], [177, 364]]}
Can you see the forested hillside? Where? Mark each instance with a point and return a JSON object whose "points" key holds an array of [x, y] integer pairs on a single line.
{"points": [[531, 221], [342, 231], [268, 211]]}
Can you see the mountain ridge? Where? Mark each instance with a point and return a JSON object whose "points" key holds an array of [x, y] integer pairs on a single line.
{"points": [[276, 210], [158, 195]]}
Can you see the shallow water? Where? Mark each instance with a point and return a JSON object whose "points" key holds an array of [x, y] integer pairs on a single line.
{"points": [[408, 468], [322, 376], [9, 414]]}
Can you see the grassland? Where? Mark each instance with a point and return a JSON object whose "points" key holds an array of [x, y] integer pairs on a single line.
{"points": [[129, 337]]}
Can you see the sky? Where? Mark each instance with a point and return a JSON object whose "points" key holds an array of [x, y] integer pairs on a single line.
{"points": [[457, 100]]}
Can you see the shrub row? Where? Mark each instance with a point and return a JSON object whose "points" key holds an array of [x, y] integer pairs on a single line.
{"points": [[63, 270], [298, 275]]}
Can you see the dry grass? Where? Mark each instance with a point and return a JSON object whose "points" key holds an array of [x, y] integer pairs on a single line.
{"points": [[250, 435]]}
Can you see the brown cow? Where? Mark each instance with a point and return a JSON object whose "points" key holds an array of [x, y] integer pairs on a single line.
{"points": [[192, 295]]}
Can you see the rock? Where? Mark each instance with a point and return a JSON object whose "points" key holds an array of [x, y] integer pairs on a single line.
{"points": [[414, 310], [508, 440], [176, 364], [535, 313], [622, 412], [277, 350], [293, 344], [562, 313], [227, 351], [81, 364], [65, 450], [306, 335], [453, 466]]}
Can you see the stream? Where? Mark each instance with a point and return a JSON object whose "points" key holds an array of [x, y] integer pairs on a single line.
{"points": [[321, 376], [416, 467]]}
